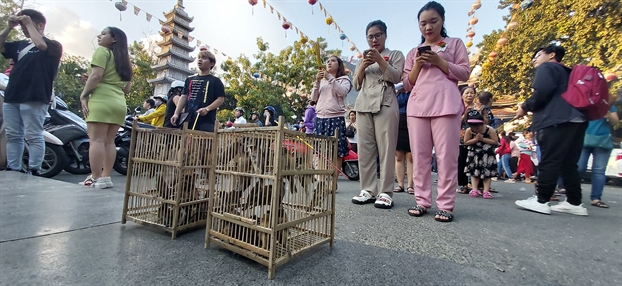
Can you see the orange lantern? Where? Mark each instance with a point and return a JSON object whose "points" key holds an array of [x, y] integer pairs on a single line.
{"points": [[502, 41], [469, 44], [476, 5], [610, 76], [360, 56], [352, 48], [471, 34], [512, 25], [473, 21], [493, 55]]}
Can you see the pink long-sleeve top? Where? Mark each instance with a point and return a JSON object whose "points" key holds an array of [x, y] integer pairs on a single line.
{"points": [[436, 93], [330, 96]]}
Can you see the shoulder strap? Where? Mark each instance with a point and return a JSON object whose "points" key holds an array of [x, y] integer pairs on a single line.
{"points": [[25, 51]]}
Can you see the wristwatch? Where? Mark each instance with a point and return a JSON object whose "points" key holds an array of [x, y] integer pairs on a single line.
{"points": [[206, 109]]}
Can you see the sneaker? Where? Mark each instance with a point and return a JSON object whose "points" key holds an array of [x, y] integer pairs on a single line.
{"points": [[103, 183], [532, 204], [384, 201], [363, 198], [494, 178], [88, 181], [510, 181], [565, 207]]}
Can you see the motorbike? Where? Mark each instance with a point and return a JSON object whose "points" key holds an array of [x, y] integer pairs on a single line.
{"points": [[72, 132], [350, 165], [123, 141], [54, 156]]}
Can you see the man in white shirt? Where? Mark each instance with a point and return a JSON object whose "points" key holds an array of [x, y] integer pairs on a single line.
{"points": [[239, 116]]}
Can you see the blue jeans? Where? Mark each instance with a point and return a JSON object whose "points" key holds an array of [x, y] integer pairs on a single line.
{"points": [[504, 165], [600, 159], [24, 121]]}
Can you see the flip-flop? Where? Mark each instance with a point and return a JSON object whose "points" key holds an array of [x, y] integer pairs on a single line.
{"points": [[600, 204], [411, 190], [399, 189]]}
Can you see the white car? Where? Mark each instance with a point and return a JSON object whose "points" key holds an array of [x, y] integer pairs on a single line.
{"points": [[614, 167]]}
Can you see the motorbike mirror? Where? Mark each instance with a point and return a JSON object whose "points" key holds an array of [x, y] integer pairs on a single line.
{"points": [[137, 109]]}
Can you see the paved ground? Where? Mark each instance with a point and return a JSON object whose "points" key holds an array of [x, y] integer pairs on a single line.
{"points": [[57, 233]]}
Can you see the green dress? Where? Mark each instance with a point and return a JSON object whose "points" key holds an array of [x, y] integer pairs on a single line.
{"points": [[107, 101]]}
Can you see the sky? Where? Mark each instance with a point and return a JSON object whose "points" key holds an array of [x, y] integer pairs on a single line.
{"points": [[232, 26]]}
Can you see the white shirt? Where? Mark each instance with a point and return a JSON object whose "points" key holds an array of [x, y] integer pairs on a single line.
{"points": [[240, 120]]}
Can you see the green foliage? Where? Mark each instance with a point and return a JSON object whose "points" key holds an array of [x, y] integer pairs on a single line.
{"points": [[70, 81], [293, 67], [8, 8], [590, 31], [141, 67]]}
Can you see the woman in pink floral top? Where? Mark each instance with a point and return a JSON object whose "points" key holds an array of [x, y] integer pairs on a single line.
{"points": [[434, 110]]}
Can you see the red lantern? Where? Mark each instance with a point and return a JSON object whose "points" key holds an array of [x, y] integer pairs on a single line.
{"points": [[253, 3], [166, 29], [471, 34], [286, 25], [493, 55], [610, 76], [203, 48], [502, 41], [312, 2]]}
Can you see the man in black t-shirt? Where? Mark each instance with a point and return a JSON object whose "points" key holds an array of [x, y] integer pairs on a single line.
{"points": [[202, 95], [29, 91]]}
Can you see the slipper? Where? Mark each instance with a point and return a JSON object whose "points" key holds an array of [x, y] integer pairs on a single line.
{"points": [[421, 209], [399, 189], [600, 204], [411, 190], [448, 216]]}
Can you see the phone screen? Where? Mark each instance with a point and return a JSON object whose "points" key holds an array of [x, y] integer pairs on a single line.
{"points": [[421, 50]]}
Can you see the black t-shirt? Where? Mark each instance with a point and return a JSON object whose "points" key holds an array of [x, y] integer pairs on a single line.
{"points": [[32, 77], [202, 91]]}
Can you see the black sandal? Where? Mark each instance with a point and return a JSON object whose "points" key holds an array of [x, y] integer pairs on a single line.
{"points": [[600, 204], [422, 210], [411, 190], [449, 216], [399, 189], [465, 190]]}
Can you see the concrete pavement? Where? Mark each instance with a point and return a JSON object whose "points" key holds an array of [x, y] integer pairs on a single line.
{"points": [[57, 233]]}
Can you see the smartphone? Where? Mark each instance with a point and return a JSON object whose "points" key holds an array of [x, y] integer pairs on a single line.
{"points": [[422, 50]]}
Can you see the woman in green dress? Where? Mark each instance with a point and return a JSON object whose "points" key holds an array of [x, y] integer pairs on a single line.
{"points": [[103, 103]]}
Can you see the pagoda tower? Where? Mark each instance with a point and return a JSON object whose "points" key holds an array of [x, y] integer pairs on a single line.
{"points": [[175, 49]]}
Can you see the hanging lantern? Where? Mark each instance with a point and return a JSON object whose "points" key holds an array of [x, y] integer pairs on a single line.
{"points": [[469, 44], [471, 13], [360, 56], [256, 75], [121, 6], [493, 55], [329, 21], [610, 76], [166, 29], [469, 29], [303, 39], [471, 34], [342, 37], [502, 41], [473, 21], [352, 48], [229, 62], [476, 5], [512, 25], [312, 2], [286, 26], [203, 48], [526, 4], [253, 3], [486, 65]]}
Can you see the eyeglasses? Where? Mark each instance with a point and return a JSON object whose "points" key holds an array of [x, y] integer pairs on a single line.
{"points": [[375, 36]]}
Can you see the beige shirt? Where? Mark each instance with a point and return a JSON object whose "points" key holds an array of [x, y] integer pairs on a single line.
{"points": [[378, 88]]}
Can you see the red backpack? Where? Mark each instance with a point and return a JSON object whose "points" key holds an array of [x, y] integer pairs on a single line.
{"points": [[587, 91]]}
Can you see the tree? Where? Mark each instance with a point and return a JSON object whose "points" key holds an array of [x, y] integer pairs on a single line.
{"points": [[590, 31], [72, 75], [142, 60], [8, 8], [285, 79]]}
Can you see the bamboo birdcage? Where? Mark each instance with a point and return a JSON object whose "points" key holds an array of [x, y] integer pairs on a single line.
{"points": [[168, 178], [274, 195]]}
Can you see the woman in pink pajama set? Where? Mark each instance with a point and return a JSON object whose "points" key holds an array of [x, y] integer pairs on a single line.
{"points": [[434, 110]]}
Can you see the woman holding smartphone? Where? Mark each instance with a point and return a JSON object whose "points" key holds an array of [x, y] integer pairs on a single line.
{"points": [[377, 116], [432, 71]]}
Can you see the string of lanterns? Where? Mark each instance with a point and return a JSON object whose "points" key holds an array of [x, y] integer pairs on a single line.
{"points": [[331, 21], [470, 32], [511, 26]]}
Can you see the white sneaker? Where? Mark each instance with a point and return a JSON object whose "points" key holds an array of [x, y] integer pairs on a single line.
{"points": [[363, 198], [384, 201], [532, 204], [103, 183], [510, 181], [565, 207]]}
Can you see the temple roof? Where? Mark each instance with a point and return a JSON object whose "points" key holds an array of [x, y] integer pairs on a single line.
{"points": [[168, 65], [176, 54], [178, 11], [176, 21], [174, 40]]}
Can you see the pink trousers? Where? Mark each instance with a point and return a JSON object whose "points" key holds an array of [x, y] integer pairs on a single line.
{"points": [[442, 133]]}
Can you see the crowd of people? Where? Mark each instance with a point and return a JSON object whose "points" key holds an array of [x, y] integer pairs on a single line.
{"points": [[408, 108]]}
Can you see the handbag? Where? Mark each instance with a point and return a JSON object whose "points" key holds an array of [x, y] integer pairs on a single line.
{"points": [[598, 141], [350, 131]]}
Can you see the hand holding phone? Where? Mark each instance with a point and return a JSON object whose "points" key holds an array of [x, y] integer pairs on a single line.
{"points": [[421, 50]]}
